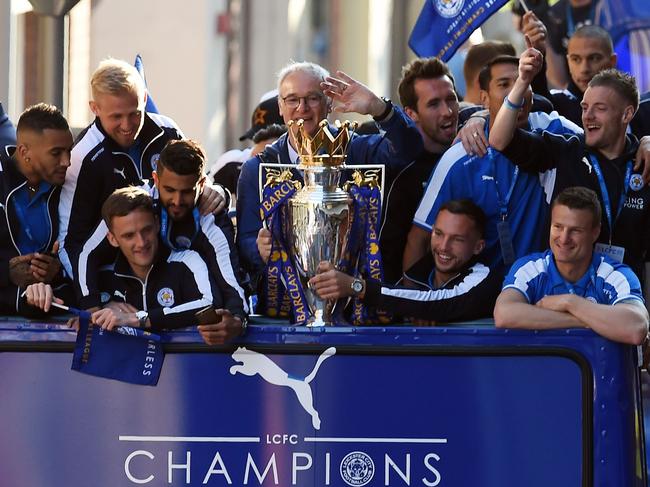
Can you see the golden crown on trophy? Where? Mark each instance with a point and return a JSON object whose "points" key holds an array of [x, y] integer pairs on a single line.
{"points": [[323, 149]]}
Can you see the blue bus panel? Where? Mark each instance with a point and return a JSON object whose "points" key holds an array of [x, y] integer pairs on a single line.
{"points": [[461, 406]]}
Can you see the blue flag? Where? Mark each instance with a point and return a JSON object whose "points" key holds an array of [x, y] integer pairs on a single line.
{"points": [[151, 106], [628, 22], [443, 25], [128, 355]]}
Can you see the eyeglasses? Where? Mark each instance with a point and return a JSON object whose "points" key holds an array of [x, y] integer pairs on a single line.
{"points": [[312, 100]]}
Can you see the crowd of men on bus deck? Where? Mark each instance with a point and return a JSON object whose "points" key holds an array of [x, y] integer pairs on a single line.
{"points": [[523, 203]]}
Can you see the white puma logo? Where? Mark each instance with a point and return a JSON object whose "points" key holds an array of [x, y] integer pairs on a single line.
{"points": [[120, 172], [586, 161], [256, 363], [485, 177]]}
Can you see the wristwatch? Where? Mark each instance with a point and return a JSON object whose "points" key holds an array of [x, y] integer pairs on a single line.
{"points": [[387, 110], [142, 317], [356, 286]]}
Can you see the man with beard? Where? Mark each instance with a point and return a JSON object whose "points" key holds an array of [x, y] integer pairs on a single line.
{"points": [[428, 96], [452, 283], [513, 201], [179, 180], [31, 175]]}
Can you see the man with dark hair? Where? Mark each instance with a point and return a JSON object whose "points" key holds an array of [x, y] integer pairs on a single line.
{"points": [[590, 51], [477, 57], [564, 18], [427, 94], [179, 180], [159, 288], [266, 136], [602, 160], [472, 110], [513, 201], [570, 285], [31, 176], [453, 285]]}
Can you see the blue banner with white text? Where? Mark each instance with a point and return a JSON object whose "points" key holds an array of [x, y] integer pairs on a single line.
{"points": [[127, 354], [443, 25]]}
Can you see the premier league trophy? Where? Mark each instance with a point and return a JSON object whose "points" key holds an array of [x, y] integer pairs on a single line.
{"points": [[319, 214], [319, 221]]}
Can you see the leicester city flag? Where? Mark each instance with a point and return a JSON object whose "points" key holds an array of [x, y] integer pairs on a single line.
{"points": [[151, 106], [443, 25], [130, 355]]}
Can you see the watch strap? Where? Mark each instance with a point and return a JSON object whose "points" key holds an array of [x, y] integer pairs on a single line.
{"points": [[387, 110]]}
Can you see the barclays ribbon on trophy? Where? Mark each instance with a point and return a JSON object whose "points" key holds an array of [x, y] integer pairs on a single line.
{"points": [[320, 221]]}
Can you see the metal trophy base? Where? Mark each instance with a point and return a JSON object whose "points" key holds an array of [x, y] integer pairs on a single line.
{"points": [[316, 321]]}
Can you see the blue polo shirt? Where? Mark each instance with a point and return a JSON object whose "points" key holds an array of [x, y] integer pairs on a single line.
{"points": [[487, 181], [606, 281], [34, 219]]}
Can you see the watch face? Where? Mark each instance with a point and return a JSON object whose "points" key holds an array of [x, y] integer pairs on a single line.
{"points": [[357, 286]]}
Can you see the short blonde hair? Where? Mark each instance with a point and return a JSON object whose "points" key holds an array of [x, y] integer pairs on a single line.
{"points": [[116, 77]]}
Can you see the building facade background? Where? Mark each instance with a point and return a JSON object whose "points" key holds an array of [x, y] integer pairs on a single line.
{"points": [[207, 62]]}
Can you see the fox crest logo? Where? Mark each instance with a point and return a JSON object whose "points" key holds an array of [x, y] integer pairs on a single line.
{"points": [[448, 8], [252, 363]]}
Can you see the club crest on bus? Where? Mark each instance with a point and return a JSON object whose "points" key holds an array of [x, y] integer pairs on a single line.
{"points": [[252, 363]]}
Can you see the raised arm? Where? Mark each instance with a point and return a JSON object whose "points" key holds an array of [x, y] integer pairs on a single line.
{"points": [[350, 95], [530, 63], [401, 141]]}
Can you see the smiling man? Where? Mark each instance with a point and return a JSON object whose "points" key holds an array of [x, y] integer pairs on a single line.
{"points": [[179, 179], [307, 92], [163, 287], [452, 283], [570, 285], [602, 160], [514, 201], [118, 149], [31, 176], [428, 96]]}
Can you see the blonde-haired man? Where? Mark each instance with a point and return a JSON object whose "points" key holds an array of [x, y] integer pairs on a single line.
{"points": [[118, 149]]}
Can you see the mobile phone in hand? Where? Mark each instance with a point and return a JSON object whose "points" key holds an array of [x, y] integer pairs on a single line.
{"points": [[207, 316]]}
